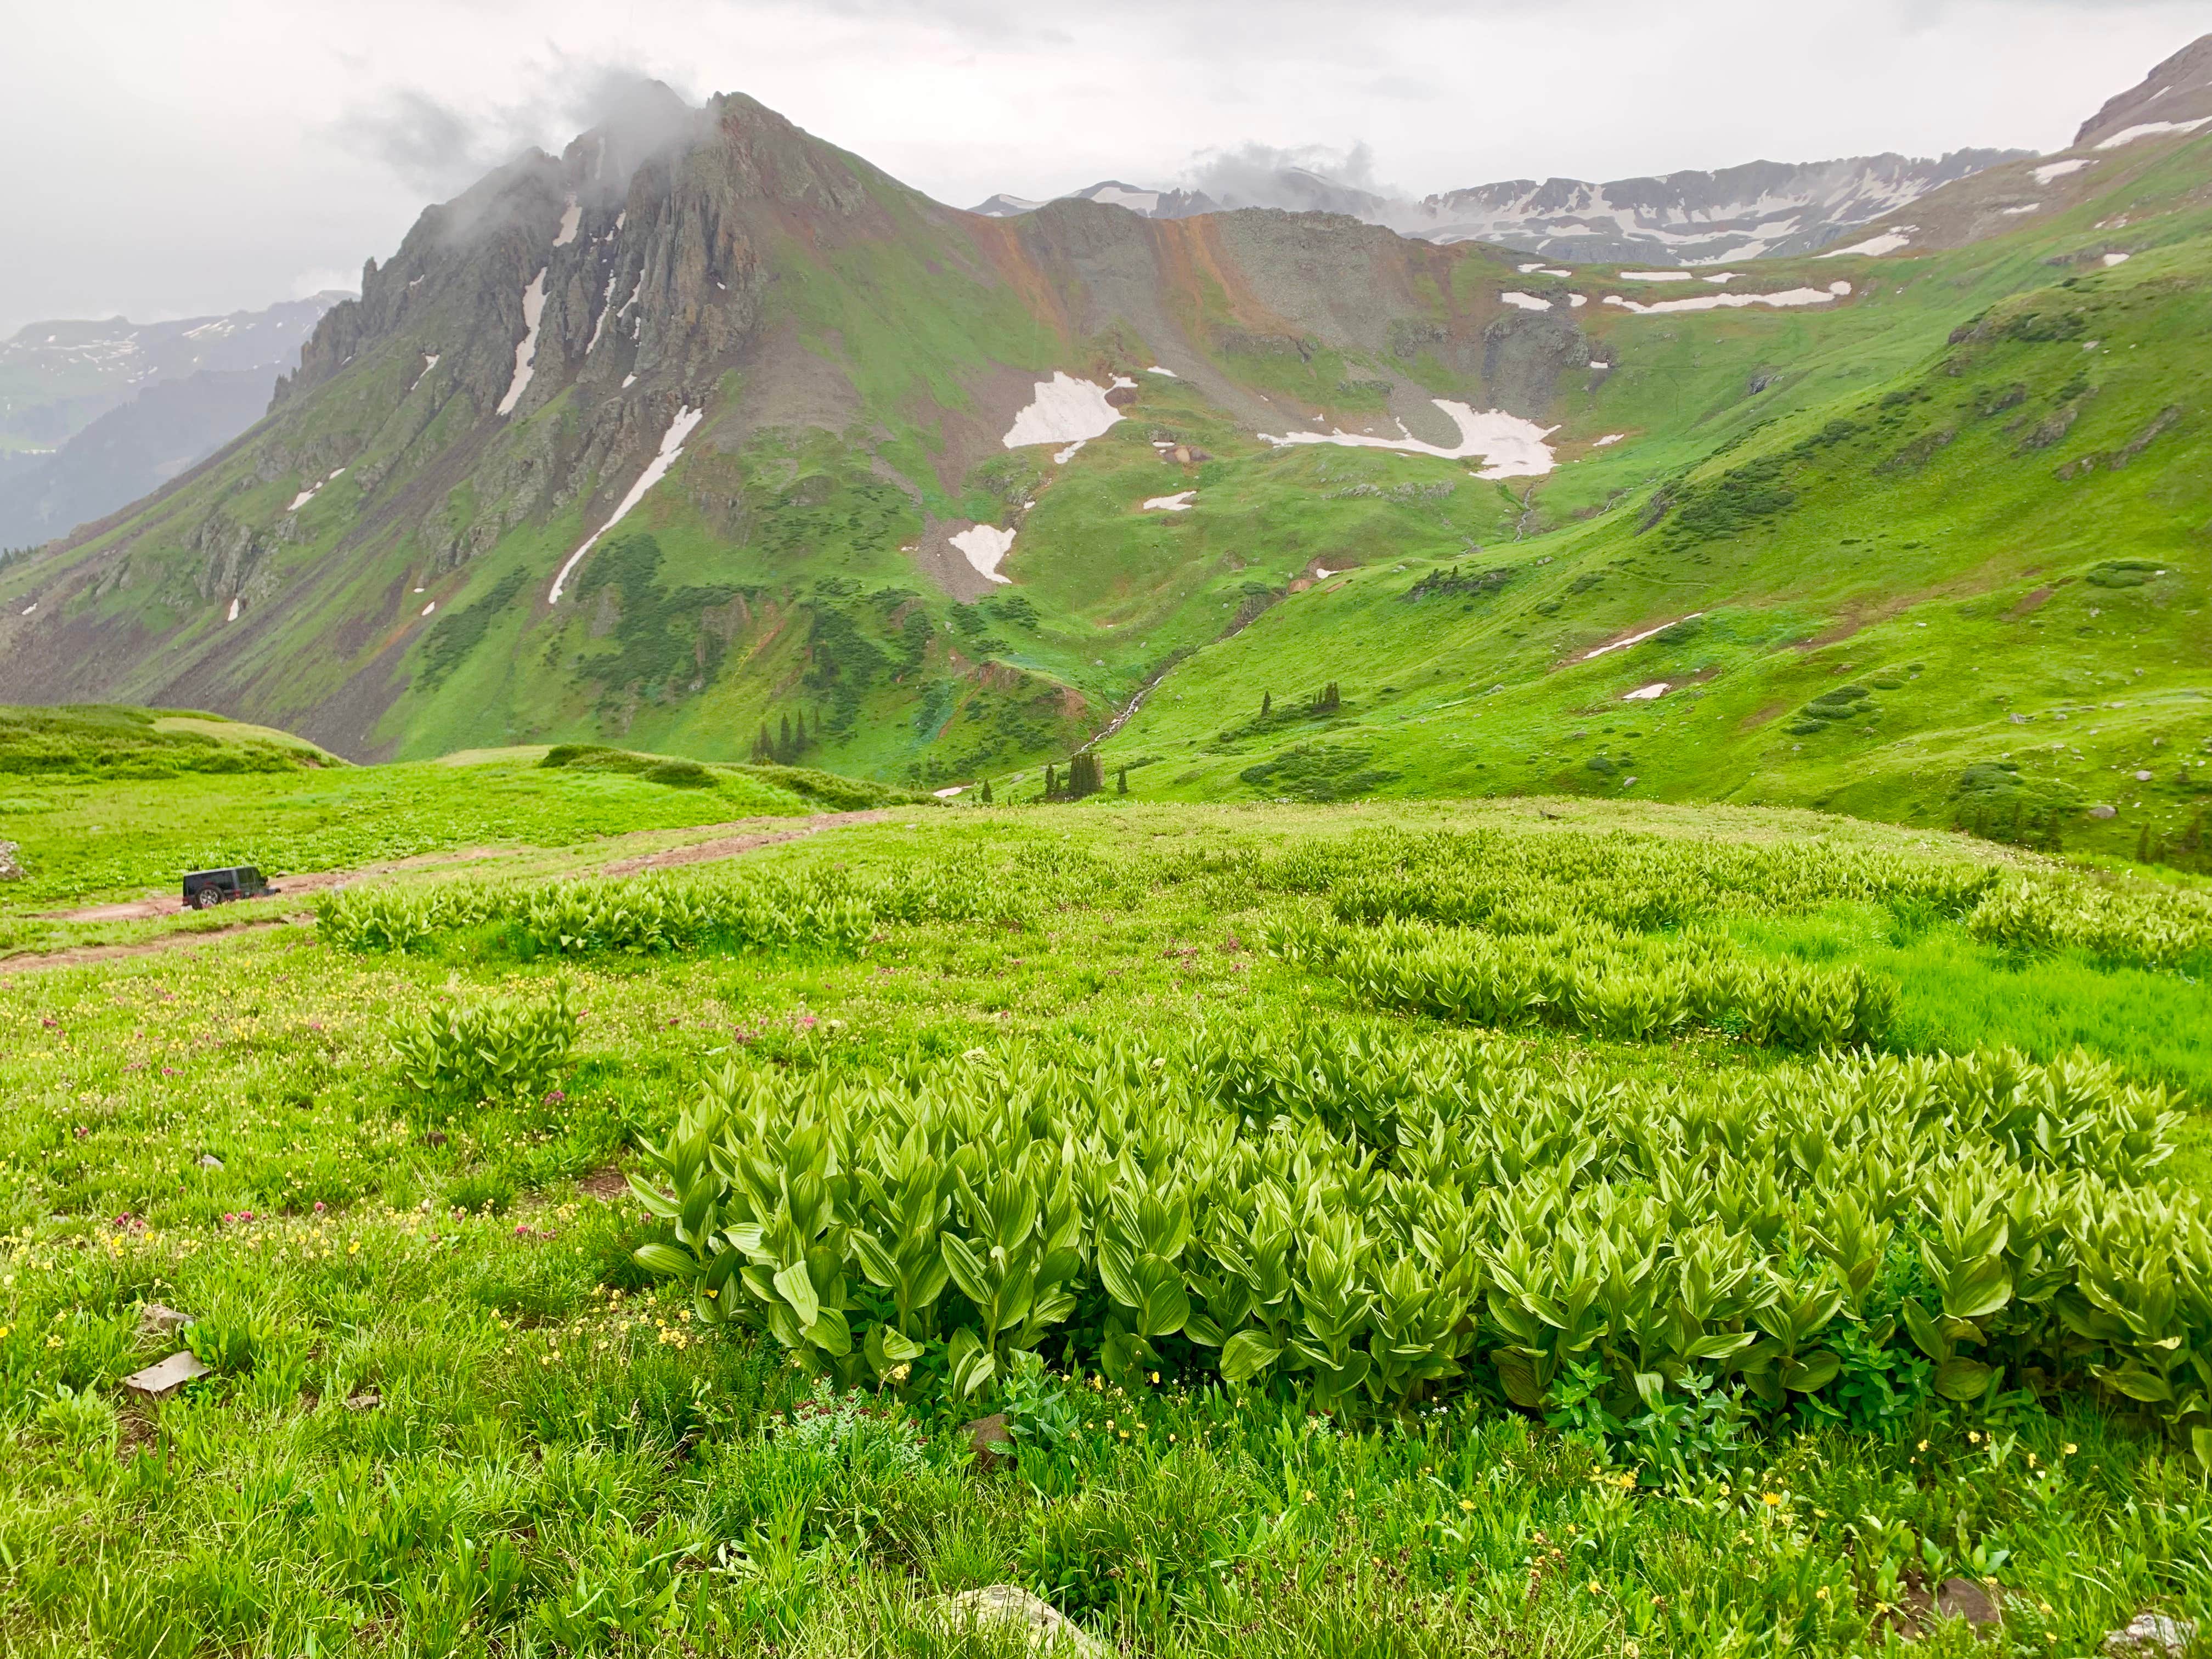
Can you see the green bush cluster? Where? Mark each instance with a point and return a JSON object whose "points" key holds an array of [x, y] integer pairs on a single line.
{"points": [[658, 913], [501, 1050], [1590, 976], [1642, 882], [2145, 926], [1392, 1222]]}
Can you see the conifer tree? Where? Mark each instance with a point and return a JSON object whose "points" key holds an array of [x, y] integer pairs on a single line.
{"points": [[987, 792], [784, 752], [764, 746], [1084, 777], [1051, 786], [798, 734], [1121, 780], [1266, 703]]}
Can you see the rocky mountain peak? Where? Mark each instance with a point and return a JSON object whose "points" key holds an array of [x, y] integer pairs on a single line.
{"points": [[2175, 97]]}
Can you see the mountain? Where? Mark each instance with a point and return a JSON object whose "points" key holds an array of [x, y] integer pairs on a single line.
{"points": [[1766, 209], [705, 425], [81, 430]]}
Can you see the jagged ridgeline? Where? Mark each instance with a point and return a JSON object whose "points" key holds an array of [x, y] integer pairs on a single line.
{"points": [[706, 430]]}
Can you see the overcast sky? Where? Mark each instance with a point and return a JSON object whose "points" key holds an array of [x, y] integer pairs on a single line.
{"points": [[169, 159]]}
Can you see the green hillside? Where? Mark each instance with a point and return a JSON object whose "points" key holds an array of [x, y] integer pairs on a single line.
{"points": [[1893, 522]]}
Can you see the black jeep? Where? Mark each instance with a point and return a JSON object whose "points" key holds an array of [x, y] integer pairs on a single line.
{"points": [[205, 888]]}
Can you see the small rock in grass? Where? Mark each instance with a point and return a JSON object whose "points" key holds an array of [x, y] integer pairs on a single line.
{"points": [[2149, 1634], [1046, 1629], [2143, 777], [2105, 810], [158, 1380], [11, 861], [1962, 1598], [154, 1320], [208, 1161], [367, 1401], [992, 1442]]}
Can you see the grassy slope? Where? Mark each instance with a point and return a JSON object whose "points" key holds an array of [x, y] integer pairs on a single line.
{"points": [[443, 1324], [1961, 575], [783, 585]]}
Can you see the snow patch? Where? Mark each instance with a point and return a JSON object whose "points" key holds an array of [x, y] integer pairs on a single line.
{"points": [[1513, 447], [606, 310], [1656, 276], [1526, 301], [1790, 297], [428, 608], [1179, 502], [671, 447], [1646, 693], [1609, 438], [234, 602], [29, 608], [947, 794], [1064, 410], [1576, 302], [2111, 259], [430, 362], [2050, 170], [526, 353], [1623, 645], [1875, 247], [571, 218], [1157, 369], [1541, 271], [1062, 457], [2152, 130], [2028, 207], [1720, 278], [1137, 201], [984, 546], [628, 380]]}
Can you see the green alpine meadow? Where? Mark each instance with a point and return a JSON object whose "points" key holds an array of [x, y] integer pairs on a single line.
{"points": [[798, 924]]}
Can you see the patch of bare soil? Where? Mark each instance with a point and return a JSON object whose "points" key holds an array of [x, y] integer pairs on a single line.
{"points": [[314, 881]]}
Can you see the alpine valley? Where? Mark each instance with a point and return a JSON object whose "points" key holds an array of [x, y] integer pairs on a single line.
{"points": [[1893, 504]]}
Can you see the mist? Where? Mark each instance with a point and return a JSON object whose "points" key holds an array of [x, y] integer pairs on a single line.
{"points": [[175, 161]]}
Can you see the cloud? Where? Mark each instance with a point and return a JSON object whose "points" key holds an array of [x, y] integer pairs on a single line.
{"points": [[1304, 176], [439, 147]]}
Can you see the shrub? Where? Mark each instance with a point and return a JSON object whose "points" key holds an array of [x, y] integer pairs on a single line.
{"points": [[499, 1052]]}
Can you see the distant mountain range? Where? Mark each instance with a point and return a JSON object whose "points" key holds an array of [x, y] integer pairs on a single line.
{"points": [[94, 415], [1759, 210], [706, 422]]}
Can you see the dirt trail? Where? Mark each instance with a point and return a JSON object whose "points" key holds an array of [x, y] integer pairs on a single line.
{"points": [[724, 841]]}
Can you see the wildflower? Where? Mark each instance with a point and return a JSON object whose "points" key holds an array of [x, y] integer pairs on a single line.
{"points": [[1309, 1497], [1596, 1589], [1974, 1436], [1772, 1500], [55, 1340], [1156, 1377], [1923, 1446], [1821, 1594], [2071, 1448], [318, 1207], [1467, 1506]]}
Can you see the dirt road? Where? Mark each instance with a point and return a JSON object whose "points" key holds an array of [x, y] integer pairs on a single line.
{"points": [[717, 841]]}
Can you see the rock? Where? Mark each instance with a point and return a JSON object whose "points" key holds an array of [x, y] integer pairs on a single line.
{"points": [[367, 1401], [2143, 777], [2105, 810], [158, 1380], [208, 1161], [1962, 1598], [2151, 1633], [11, 861], [2017, 720], [154, 1320], [1045, 1627], [993, 1442]]}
